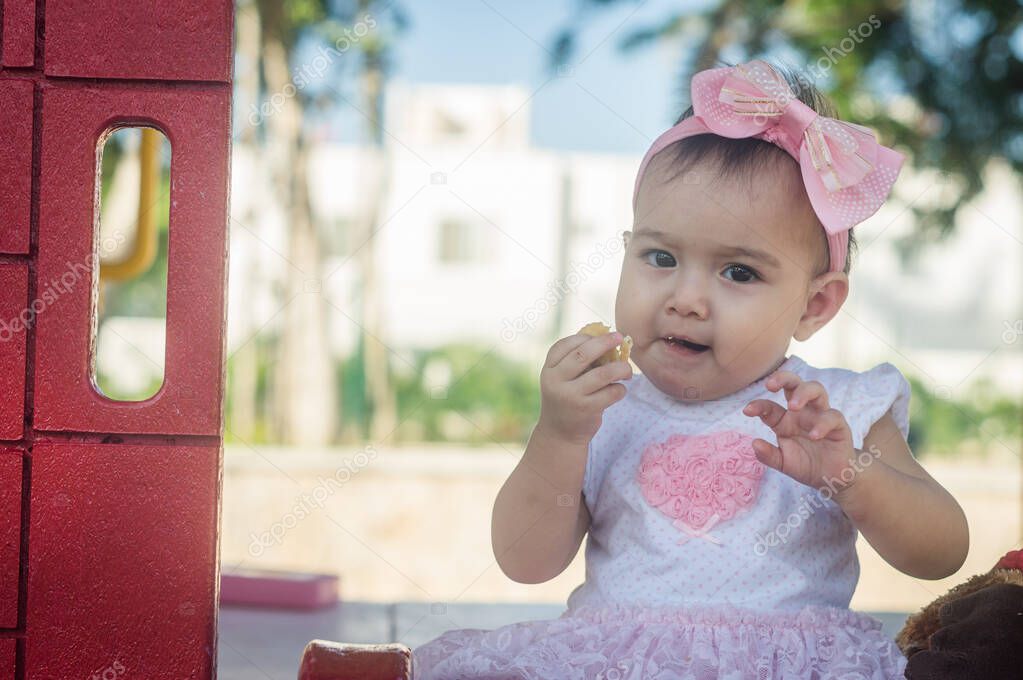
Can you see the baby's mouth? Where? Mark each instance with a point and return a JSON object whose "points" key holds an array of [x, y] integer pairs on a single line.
{"points": [[695, 346]]}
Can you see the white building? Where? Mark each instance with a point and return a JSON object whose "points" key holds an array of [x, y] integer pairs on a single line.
{"points": [[487, 238]]}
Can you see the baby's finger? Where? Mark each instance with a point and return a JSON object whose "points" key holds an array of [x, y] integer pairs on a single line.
{"points": [[607, 395], [592, 381], [810, 391], [577, 360], [768, 411], [562, 347], [787, 379], [769, 454], [825, 423]]}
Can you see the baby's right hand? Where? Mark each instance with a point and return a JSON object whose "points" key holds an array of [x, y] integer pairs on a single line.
{"points": [[574, 393]]}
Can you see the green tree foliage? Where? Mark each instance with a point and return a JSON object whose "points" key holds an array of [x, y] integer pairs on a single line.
{"points": [[489, 398], [944, 425], [940, 80]]}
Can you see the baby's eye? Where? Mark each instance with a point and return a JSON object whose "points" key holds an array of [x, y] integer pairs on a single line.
{"points": [[745, 272], [667, 260]]}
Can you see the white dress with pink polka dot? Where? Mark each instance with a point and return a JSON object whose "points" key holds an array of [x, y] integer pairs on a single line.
{"points": [[701, 562]]}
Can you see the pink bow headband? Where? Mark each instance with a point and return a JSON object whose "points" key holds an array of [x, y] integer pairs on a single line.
{"points": [[847, 173]]}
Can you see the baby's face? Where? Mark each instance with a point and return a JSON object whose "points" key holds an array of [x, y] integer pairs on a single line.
{"points": [[684, 274]]}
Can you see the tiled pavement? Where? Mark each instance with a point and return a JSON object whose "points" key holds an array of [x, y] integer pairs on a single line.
{"points": [[264, 644]]}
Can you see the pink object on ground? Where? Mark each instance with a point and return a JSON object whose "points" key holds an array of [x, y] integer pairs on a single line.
{"points": [[285, 589]]}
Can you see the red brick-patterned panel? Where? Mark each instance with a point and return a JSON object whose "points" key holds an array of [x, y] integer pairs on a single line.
{"points": [[10, 535], [19, 40], [122, 560], [197, 123], [14, 314], [142, 39], [8, 647], [15, 164]]}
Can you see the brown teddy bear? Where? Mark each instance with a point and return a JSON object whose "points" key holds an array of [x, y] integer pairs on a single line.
{"points": [[975, 630]]}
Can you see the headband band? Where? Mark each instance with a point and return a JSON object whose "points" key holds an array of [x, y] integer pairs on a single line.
{"points": [[846, 172]]}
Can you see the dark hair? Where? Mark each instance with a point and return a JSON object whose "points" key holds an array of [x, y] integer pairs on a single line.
{"points": [[742, 157]]}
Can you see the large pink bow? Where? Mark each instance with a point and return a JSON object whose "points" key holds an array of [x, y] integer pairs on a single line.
{"points": [[847, 173]]}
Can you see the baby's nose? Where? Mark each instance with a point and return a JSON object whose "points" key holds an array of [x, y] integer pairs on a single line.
{"points": [[690, 298]]}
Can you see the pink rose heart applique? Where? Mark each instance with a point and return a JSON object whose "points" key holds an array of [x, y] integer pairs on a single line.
{"points": [[700, 481]]}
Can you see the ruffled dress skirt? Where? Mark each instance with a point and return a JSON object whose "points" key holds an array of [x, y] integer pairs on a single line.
{"points": [[619, 642]]}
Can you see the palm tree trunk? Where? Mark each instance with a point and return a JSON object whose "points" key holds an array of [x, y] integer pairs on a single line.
{"points": [[383, 418], [245, 360], [305, 393]]}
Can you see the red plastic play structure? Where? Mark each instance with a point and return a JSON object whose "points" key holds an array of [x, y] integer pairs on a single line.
{"points": [[324, 660], [109, 511]]}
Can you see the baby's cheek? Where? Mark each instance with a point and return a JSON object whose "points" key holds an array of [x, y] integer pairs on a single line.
{"points": [[624, 321], [627, 301]]}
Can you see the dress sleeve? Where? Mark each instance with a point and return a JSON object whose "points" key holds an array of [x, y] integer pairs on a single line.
{"points": [[604, 447], [870, 395], [594, 464], [597, 459]]}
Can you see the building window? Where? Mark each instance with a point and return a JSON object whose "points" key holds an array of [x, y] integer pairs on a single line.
{"points": [[462, 241], [337, 235], [448, 127]]}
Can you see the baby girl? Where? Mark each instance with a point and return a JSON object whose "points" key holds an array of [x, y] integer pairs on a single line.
{"points": [[723, 486]]}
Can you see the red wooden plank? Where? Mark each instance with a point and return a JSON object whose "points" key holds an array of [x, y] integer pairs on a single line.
{"points": [[196, 121], [122, 560], [19, 27], [15, 164], [10, 535], [161, 39], [14, 315]]}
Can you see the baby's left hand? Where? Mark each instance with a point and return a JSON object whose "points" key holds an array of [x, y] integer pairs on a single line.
{"points": [[815, 441]]}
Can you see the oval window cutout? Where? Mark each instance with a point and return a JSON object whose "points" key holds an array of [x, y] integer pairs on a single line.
{"points": [[131, 237]]}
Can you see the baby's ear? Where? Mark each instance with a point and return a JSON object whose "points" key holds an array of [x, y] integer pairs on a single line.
{"points": [[827, 293]]}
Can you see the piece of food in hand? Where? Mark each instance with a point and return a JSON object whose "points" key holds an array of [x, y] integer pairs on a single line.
{"points": [[620, 353]]}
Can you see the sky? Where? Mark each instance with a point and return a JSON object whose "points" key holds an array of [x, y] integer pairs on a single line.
{"points": [[610, 101]]}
